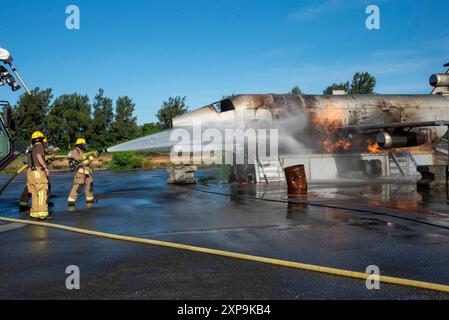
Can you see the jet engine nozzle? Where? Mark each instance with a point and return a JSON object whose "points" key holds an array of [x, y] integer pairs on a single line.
{"points": [[439, 80], [400, 140]]}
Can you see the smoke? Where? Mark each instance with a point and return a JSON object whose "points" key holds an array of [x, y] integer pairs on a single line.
{"points": [[293, 135]]}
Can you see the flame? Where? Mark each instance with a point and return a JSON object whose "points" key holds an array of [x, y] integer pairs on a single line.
{"points": [[331, 117], [373, 147], [327, 122]]}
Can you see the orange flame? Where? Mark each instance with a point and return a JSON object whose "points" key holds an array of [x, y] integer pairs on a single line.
{"points": [[327, 122], [330, 117], [373, 147]]}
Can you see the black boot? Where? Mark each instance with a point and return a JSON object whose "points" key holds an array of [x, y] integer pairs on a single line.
{"points": [[23, 209]]}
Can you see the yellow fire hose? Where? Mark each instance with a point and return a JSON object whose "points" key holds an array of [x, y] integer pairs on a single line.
{"points": [[277, 262]]}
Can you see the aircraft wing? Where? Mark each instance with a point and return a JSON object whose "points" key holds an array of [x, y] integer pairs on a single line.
{"points": [[392, 126]]}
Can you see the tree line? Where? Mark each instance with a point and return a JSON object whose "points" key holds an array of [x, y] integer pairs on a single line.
{"points": [[69, 116], [362, 83]]}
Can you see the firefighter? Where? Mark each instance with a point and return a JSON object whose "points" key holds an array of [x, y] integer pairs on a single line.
{"points": [[37, 177], [80, 163], [50, 158], [25, 197]]}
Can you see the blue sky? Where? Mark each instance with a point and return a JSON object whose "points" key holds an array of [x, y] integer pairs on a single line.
{"points": [[204, 49]]}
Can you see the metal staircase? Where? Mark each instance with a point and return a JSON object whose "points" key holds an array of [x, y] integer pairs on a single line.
{"points": [[402, 164], [270, 172]]}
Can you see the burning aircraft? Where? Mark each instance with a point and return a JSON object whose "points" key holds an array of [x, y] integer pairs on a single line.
{"points": [[339, 123], [334, 124]]}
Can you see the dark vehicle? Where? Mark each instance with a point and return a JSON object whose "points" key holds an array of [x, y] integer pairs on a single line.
{"points": [[9, 150]]}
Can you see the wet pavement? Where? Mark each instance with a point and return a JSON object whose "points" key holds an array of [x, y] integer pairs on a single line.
{"points": [[348, 225]]}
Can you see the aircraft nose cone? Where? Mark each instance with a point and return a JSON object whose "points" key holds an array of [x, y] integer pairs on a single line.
{"points": [[203, 116]]}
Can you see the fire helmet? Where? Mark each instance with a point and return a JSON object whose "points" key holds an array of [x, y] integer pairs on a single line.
{"points": [[80, 141]]}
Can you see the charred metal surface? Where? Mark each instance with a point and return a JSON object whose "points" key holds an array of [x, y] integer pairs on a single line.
{"points": [[360, 109], [379, 112], [393, 126]]}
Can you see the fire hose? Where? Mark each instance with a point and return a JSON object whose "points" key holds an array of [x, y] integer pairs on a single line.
{"points": [[240, 256]]}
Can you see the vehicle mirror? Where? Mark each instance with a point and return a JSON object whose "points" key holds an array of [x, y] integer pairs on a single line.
{"points": [[7, 117]]}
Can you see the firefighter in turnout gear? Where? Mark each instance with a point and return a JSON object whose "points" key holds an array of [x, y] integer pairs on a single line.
{"points": [[49, 158], [37, 177], [80, 163]]}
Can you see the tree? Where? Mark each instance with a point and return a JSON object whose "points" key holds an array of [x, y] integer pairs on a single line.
{"points": [[170, 109], [125, 124], [296, 91], [363, 83], [69, 118], [150, 128], [336, 86], [103, 116], [30, 112]]}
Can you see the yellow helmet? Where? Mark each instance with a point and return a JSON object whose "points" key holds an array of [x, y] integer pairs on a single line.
{"points": [[80, 141], [37, 135], [45, 140]]}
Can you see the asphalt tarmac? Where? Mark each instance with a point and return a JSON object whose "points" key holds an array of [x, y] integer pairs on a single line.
{"points": [[348, 225]]}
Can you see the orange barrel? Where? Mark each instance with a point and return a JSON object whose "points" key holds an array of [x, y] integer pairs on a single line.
{"points": [[296, 179]]}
